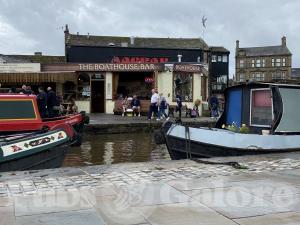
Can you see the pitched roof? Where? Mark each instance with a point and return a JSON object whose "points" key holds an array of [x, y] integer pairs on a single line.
{"points": [[31, 59], [295, 73], [218, 49], [139, 42], [266, 51]]}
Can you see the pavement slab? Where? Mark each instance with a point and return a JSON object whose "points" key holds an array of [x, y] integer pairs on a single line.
{"points": [[290, 218], [234, 202], [80, 217], [187, 213], [7, 215]]}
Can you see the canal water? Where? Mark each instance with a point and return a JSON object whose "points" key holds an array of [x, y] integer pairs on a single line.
{"points": [[115, 148]]}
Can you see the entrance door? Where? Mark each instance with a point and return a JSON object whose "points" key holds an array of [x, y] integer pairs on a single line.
{"points": [[97, 97], [234, 108]]}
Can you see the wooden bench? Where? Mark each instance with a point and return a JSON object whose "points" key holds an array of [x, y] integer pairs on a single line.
{"points": [[118, 110]]}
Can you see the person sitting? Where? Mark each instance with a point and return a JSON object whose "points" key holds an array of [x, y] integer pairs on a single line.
{"points": [[136, 105], [72, 108], [124, 105]]}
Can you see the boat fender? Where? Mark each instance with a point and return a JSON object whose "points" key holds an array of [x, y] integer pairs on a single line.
{"points": [[159, 137]]}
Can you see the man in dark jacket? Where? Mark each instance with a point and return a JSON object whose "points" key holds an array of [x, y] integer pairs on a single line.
{"points": [[42, 102], [51, 102]]}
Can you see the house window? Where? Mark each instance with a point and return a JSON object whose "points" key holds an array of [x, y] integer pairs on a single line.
{"points": [[279, 75], [214, 58], [258, 76], [283, 61], [258, 63], [263, 63], [261, 108], [242, 77], [278, 62], [219, 58], [183, 84], [253, 63], [273, 62], [242, 63], [225, 58]]}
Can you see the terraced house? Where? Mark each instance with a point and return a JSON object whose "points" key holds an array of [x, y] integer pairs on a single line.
{"points": [[268, 63]]}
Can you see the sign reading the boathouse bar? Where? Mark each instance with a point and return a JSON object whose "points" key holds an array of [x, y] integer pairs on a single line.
{"points": [[120, 67]]}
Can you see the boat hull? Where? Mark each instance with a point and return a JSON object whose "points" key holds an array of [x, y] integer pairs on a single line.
{"points": [[178, 149], [186, 142], [50, 158], [35, 151]]}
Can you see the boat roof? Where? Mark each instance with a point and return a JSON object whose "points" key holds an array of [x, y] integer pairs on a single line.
{"points": [[264, 84], [16, 96]]}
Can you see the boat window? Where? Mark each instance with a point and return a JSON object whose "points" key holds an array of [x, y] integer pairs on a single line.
{"points": [[17, 110], [261, 108], [291, 110]]}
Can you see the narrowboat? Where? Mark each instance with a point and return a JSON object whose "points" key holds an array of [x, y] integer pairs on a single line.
{"points": [[29, 142], [258, 118], [20, 114]]}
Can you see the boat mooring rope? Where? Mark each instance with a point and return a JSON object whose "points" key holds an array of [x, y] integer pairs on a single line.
{"points": [[235, 165]]}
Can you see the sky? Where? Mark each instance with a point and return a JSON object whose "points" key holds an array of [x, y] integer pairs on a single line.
{"points": [[28, 26]]}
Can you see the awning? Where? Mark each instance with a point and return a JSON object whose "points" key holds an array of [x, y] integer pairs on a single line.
{"points": [[40, 77]]}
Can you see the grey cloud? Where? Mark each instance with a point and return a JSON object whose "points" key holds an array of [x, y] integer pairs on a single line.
{"points": [[35, 25]]}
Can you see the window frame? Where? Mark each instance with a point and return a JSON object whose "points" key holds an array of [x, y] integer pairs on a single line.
{"points": [[272, 107], [253, 63], [224, 57], [220, 58], [173, 87], [242, 63], [214, 58]]}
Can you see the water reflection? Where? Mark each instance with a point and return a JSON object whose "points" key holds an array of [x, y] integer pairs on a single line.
{"points": [[115, 148]]}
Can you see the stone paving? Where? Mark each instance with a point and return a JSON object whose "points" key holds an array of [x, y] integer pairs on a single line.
{"points": [[266, 191]]}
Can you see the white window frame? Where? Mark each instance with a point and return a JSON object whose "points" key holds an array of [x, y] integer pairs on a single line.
{"points": [[252, 63], [251, 93], [224, 58], [214, 58], [283, 60], [242, 78], [219, 58], [273, 62], [242, 63], [258, 63], [278, 62], [263, 63]]}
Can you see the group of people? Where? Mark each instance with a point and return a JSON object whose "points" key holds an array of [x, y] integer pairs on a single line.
{"points": [[49, 104], [158, 105]]}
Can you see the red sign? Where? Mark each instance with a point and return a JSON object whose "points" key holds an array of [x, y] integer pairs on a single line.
{"points": [[139, 59], [149, 80]]}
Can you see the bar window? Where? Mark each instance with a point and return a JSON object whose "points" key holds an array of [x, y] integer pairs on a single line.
{"points": [[183, 85], [214, 58], [261, 108]]}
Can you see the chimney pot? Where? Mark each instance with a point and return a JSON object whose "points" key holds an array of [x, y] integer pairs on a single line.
{"points": [[237, 44], [283, 41]]}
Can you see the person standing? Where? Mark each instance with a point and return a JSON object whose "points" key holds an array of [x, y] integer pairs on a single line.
{"points": [[214, 106], [162, 106], [153, 104], [42, 102], [179, 103], [51, 102]]}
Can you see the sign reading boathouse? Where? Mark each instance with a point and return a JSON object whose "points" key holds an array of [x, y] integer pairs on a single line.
{"points": [[187, 68], [120, 67]]}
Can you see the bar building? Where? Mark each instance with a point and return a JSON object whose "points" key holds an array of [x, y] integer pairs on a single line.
{"points": [[97, 70]]}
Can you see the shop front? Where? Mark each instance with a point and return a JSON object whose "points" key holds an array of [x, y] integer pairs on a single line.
{"points": [[97, 87]]}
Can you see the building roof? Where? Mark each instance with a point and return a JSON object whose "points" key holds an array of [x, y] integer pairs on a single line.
{"points": [[266, 51], [139, 42], [31, 59], [295, 73], [219, 49]]}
